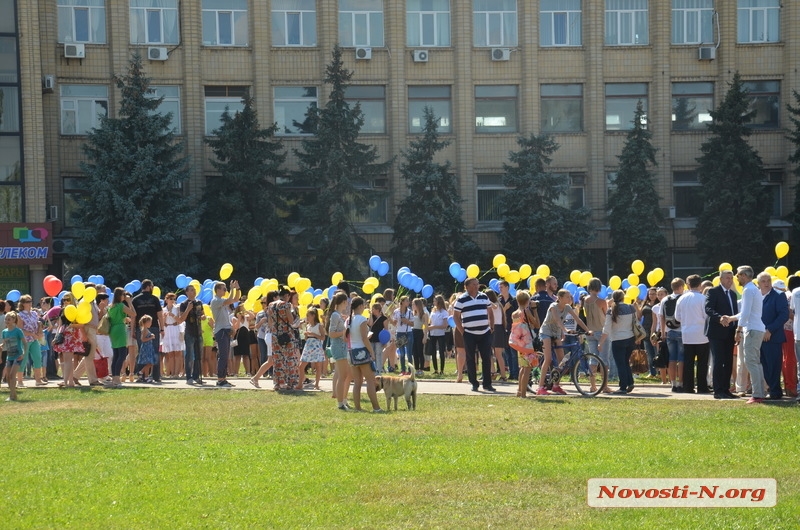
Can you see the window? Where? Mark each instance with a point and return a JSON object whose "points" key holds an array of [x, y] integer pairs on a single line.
{"points": [[560, 23], [170, 103], [9, 116], [361, 23], [621, 100], [8, 60], [82, 106], [490, 198], [774, 186], [294, 23], [495, 22], [691, 105], [428, 22], [376, 212], [574, 198], [765, 102], [154, 22], [291, 106], [692, 21], [626, 22], [611, 183], [297, 197], [224, 22], [495, 109], [10, 170], [562, 108], [74, 195], [82, 21], [758, 21], [372, 99], [435, 97], [687, 194], [10, 203], [219, 99]]}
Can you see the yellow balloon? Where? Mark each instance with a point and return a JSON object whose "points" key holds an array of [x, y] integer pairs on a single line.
{"points": [[659, 274], [725, 267], [156, 291], [473, 271], [196, 285], [365, 313], [225, 271], [502, 270], [498, 260], [250, 304], [302, 311], [254, 293], [770, 270], [90, 293], [71, 312], [512, 276], [368, 288], [532, 280], [575, 277], [83, 317], [633, 279], [525, 271], [78, 288], [317, 299], [302, 284], [637, 267], [632, 292], [306, 298], [207, 310], [781, 249], [372, 280], [543, 271], [292, 279], [336, 277], [715, 281], [585, 278], [270, 285], [614, 282], [797, 273], [650, 278], [782, 272]]}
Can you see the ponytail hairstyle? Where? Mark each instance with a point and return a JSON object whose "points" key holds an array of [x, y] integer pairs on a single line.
{"points": [[617, 297], [355, 303]]}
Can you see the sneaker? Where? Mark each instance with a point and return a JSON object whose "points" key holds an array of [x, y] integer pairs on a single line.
{"points": [[542, 392], [224, 383], [190, 382], [378, 411], [754, 400], [343, 408], [558, 390]]}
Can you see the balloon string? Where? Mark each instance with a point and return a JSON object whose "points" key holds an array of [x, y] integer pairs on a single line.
{"points": [[485, 273]]}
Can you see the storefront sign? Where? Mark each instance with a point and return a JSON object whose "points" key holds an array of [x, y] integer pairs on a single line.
{"points": [[26, 244]]}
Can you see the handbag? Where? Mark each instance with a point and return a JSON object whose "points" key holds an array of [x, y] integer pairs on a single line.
{"points": [[662, 359], [401, 340], [639, 334], [359, 356], [105, 326], [58, 339], [638, 361]]}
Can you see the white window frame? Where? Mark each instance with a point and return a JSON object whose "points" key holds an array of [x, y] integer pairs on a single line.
{"points": [[508, 36], [635, 30], [157, 92], [749, 12], [698, 94], [302, 13], [162, 10], [689, 13], [438, 41], [445, 122], [95, 13], [238, 40], [571, 15], [288, 99], [233, 103], [483, 126], [373, 40], [70, 104], [633, 97]]}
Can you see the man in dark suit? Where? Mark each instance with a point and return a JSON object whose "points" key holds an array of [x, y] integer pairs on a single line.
{"points": [[774, 315], [721, 301]]}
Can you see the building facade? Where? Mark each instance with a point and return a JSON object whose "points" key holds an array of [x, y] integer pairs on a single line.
{"points": [[492, 70]]}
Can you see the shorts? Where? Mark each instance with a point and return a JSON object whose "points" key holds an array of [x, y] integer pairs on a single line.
{"points": [[338, 350], [499, 338], [543, 335]]}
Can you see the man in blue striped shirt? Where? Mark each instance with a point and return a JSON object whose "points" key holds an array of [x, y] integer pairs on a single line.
{"points": [[473, 316]]}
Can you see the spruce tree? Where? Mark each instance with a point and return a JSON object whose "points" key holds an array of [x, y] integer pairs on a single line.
{"points": [[794, 137], [340, 170], [429, 229], [134, 218], [537, 227], [634, 215], [241, 224], [733, 225]]}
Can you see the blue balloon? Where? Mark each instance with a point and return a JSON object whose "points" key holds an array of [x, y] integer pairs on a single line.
{"points": [[419, 284], [462, 275], [454, 269], [384, 336], [310, 290], [76, 278], [181, 299], [572, 288], [403, 269], [496, 287], [374, 262], [331, 290], [642, 291], [137, 285], [427, 291], [258, 281], [13, 296], [317, 292], [129, 287], [206, 296], [512, 290], [100, 280], [383, 268], [181, 281], [208, 283], [493, 284], [110, 293], [451, 321], [625, 284], [576, 297]]}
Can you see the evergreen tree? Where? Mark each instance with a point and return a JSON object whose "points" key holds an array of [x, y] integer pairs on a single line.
{"points": [[429, 226], [733, 226], [133, 218], [538, 228], [241, 224], [340, 170], [794, 136], [634, 215]]}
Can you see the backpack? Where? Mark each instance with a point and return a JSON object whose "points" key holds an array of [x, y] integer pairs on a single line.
{"points": [[668, 309]]}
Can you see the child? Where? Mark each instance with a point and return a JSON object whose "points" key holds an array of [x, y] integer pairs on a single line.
{"points": [[147, 352], [521, 339], [552, 331], [312, 351], [14, 345]]}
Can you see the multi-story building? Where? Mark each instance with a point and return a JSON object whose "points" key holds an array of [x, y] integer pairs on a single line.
{"points": [[492, 70]]}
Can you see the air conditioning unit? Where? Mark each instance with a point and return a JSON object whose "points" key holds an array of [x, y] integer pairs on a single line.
{"points": [[671, 213], [62, 246], [707, 53], [74, 51], [52, 213], [420, 56], [157, 53], [48, 83], [364, 53], [501, 54]]}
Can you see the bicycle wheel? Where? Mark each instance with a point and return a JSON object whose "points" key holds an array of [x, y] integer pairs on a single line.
{"points": [[597, 377]]}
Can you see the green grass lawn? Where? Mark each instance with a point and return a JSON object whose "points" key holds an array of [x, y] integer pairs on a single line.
{"points": [[138, 458]]}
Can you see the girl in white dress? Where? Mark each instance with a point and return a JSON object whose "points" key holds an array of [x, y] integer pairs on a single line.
{"points": [[312, 351], [172, 343]]}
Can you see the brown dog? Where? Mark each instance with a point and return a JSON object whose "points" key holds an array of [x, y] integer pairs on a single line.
{"points": [[394, 387]]}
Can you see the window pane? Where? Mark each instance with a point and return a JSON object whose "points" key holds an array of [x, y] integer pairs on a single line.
{"points": [[8, 60], [374, 117], [11, 202], [546, 29], [309, 29], [293, 28], [9, 119], [490, 205], [209, 28], [360, 22], [441, 109], [562, 115], [240, 28], [376, 29], [346, 29], [620, 112], [64, 24], [691, 113], [428, 37], [429, 92], [82, 25], [154, 26], [10, 170], [225, 28], [688, 201]]}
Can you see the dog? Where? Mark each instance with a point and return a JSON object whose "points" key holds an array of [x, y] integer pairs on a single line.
{"points": [[394, 387]]}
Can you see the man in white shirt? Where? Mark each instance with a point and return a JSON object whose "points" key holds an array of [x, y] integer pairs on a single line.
{"points": [[750, 332], [690, 312]]}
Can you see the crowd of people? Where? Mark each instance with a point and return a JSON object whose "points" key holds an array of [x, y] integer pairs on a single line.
{"points": [[702, 338]]}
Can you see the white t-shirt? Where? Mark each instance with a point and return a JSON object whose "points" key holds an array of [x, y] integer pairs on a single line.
{"points": [[402, 328], [356, 341], [656, 316], [438, 318]]}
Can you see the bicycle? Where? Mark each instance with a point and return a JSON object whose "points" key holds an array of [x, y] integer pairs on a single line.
{"points": [[577, 363]]}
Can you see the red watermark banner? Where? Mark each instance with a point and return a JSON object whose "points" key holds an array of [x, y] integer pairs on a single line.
{"points": [[682, 492]]}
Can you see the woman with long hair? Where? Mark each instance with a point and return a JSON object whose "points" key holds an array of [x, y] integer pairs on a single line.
{"points": [[619, 329], [403, 323], [172, 343], [646, 310], [70, 348], [119, 311], [499, 338], [362, 358], [420, 319], [337, 331], [437, 324]]}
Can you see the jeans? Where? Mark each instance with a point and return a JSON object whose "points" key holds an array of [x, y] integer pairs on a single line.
{"points": [[622, 349], [752, 359], [118, 360], [192, 356], [377, 349], [675, 345], [483, 345], [223, 338], [605, 354], [406, 352], [651, 356], [263, 351]]}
